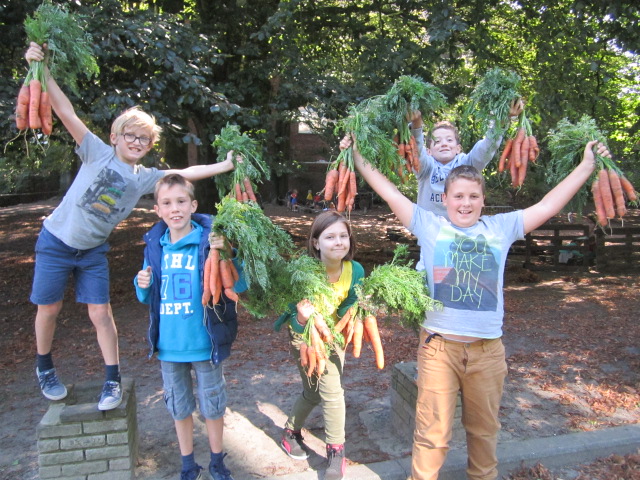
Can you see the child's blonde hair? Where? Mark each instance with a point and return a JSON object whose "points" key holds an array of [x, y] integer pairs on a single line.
{"points": [[135, 117]]}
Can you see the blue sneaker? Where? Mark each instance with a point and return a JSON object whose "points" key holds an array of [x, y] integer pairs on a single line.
{"points": [[51, 387], [218, 471], [193, 474], [111, 396]]}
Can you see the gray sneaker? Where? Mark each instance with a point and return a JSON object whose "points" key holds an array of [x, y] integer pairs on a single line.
{"points": [[51, 387], [111, 396], [292, 443]]}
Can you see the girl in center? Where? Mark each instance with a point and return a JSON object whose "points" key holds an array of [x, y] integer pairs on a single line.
{"points": [[331, 241]]}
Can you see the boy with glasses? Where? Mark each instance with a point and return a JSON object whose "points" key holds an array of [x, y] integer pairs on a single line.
{"points": [[74, 237]]}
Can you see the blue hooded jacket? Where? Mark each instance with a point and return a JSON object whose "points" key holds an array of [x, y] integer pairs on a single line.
{"points": [[221, 320]]}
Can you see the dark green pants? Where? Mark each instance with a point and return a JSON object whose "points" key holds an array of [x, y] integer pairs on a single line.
{"points": [[326, 391]]}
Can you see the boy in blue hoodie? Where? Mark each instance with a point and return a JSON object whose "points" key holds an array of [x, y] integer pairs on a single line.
{"points": [[187, 335]]}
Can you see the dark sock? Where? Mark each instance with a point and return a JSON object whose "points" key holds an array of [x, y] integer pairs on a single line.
{"points": [[216, 458], [188, 462], [112, 373], [44, 362]]}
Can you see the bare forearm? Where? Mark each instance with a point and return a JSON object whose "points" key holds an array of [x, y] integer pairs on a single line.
{"points": [[554, 201], [198, 172]]}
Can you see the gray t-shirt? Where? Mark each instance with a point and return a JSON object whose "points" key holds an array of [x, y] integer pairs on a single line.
{"points": [[433, 174], [103, 194], [465, 269]]}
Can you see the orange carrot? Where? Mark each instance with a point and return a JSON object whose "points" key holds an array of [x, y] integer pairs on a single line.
{"points": [[343, 179], [401, 150], [348, 335], [524, 151], [522, 171], [516, 147], [617, 192], [605, 191], [330, 184], [214, 276], [35, 89], [505, 154], [628, 189], [601, 215], [249, 189], [245, 197], [323, 329], [415, 160], [22, 108], [304, 356], [206, 291], [342, 323], [225, 274], [534, 150], [513, 169], [230, 294], [358, 331], [311, 362], [46, 117], [342, 201], [238, 192], [371, 327]]}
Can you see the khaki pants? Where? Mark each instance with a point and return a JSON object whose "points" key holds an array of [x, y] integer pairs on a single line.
{"points": [[478, 371], [327, 391]]}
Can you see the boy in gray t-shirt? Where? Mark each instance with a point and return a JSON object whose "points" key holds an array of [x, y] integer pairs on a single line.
{"points": [[74, 237], [460, 346]]}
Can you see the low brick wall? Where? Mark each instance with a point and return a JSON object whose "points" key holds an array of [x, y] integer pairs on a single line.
{"points": [[76, 441], [404, 392]]}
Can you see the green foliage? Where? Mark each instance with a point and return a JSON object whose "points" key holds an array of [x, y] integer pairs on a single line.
{"points": [[489, 104], [566, 144], [292, 280], [259, 242], [252, 165], [397, 288], [69, 46]]}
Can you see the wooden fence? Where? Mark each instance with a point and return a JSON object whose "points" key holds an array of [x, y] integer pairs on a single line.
{"points": [[558, 246], [618, 247]]}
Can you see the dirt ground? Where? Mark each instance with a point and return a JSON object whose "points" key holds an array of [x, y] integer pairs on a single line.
{"points": [[571, 339]]}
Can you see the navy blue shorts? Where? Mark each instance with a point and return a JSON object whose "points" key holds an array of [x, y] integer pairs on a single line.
{"points": [[55, 260]]}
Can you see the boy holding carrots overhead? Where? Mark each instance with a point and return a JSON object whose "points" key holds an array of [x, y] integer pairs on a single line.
{"points": [[460, 346], [171, 282], [74, 237], [442, 152]]}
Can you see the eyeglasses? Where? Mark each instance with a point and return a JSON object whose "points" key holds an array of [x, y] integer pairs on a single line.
{"points": [[130, 138]]}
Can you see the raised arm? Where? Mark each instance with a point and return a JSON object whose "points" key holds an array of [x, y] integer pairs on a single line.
{"points": [[198, 172], [401, 206], [561, 194], [59, 101]]}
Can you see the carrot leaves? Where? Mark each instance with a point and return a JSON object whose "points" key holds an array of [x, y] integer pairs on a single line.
{"points": [[69, 46]]}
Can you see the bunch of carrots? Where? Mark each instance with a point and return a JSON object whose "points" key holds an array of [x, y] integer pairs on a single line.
{"points": [[341, 183], [357, 327], [69, 51], [408, 151], [220, 275], [518, 151], [360, 326], [33, 109], [609, 188], [249, 167]]}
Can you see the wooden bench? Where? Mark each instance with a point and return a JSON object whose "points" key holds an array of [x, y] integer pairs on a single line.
{"points": [[618, 247], [558, 242]]}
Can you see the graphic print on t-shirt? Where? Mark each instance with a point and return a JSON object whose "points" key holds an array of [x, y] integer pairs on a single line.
{"points": [[465, 272], [102, 196]]}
